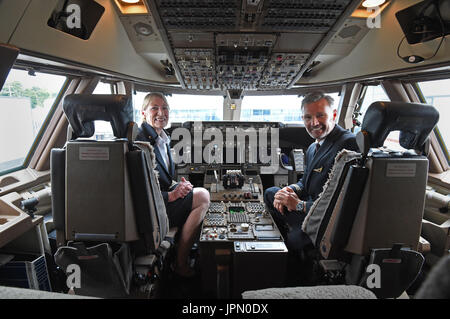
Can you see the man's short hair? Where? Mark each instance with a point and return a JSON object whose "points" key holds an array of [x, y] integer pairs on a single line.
{"points": [[316, 96], [150, 96]]}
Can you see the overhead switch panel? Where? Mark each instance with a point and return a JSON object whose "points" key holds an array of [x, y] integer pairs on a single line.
{"points": [[245, 44]]}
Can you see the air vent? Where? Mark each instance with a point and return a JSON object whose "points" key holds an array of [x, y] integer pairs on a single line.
{"points": [[349, 32]]}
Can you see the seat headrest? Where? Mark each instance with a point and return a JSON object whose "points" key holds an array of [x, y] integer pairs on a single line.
{"points": [[414, 121], [82, 110]]}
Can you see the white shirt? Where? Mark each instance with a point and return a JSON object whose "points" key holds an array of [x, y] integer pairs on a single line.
{"points": [[163, 142]]}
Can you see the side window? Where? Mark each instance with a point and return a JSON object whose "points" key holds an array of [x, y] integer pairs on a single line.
{"points": [[377, 94], [102, 88], [138, 100], [103, 130], [373, 94], [25, 102], [437, 93]]}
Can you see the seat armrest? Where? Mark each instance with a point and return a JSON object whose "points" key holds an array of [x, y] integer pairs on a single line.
{"points": [[167, 242], [438, 236], [147, 260], [170, 236], [424, 246]]}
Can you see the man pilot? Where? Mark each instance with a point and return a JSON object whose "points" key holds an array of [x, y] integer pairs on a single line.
{"points": [[290, 205]]}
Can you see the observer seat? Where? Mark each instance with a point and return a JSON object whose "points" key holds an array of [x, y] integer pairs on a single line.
{"points": [[106, 197]]}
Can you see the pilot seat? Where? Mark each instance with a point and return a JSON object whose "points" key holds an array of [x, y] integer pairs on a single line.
{"points": [[110, 219], [366, 224]]}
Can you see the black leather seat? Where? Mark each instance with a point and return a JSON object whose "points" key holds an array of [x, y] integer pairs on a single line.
{"points": [[371, 209]]}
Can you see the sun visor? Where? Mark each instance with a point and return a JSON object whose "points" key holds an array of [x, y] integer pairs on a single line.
{"points": [[8, 55]]}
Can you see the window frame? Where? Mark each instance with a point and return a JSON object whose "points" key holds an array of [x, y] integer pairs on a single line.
{"points": [[436, 131]]}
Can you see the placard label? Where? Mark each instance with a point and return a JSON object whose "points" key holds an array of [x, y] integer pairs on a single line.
{"points": [[401, 170], [94, 153]]}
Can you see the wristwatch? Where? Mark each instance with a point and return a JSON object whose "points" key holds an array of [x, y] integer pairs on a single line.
{"points": [[300, 206]]}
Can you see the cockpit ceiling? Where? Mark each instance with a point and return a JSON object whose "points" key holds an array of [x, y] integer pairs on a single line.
{"points": [[245, 44]]}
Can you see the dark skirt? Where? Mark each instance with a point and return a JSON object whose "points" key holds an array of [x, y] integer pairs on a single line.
{"points": [[179, 210]]}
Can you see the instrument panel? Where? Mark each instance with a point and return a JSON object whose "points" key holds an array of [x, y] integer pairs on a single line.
{"points": [[237, 211], [238, 235]]}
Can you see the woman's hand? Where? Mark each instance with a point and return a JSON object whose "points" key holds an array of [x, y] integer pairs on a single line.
{"points": [[183, 188]]}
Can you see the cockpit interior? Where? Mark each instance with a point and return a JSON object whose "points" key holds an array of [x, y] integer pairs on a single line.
{"points": [[83, 213]]}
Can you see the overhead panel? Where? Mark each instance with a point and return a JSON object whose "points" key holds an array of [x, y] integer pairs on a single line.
{"points": [[241, 59], [197, 67], [244, 44], [211, 15], [303, 16]]}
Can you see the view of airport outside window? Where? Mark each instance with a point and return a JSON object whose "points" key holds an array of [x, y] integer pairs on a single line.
{"points": [[276, 108], [25, 101], [373, 94], [437, 94], [377, 94]]}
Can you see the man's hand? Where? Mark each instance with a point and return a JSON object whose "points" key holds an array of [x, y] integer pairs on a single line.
{"points": [[286, 197], [183, 188]]}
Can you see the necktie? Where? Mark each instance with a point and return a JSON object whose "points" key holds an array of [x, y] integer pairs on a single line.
{"points": [[317, 148]]}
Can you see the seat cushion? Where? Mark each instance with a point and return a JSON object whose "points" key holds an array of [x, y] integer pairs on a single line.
{"points": [[317, 292]]}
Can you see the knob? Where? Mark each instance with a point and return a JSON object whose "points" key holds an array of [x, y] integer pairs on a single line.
{"points": [[244, 226]]}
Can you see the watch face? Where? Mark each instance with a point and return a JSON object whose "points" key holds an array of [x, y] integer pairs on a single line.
{"points": [[300, 206]]}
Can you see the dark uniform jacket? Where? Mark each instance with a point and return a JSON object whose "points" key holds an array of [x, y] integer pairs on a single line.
{"points": [[318, 166], [166, 175]]}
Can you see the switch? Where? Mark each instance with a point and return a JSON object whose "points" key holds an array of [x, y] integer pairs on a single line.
{"points": [[244, 226]]}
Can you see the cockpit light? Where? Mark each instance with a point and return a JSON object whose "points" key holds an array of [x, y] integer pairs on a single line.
{"points": [[372, 3], [127, 7]]}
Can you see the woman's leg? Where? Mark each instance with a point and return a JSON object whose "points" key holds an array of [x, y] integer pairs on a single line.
{"points": [[200, 205]]}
